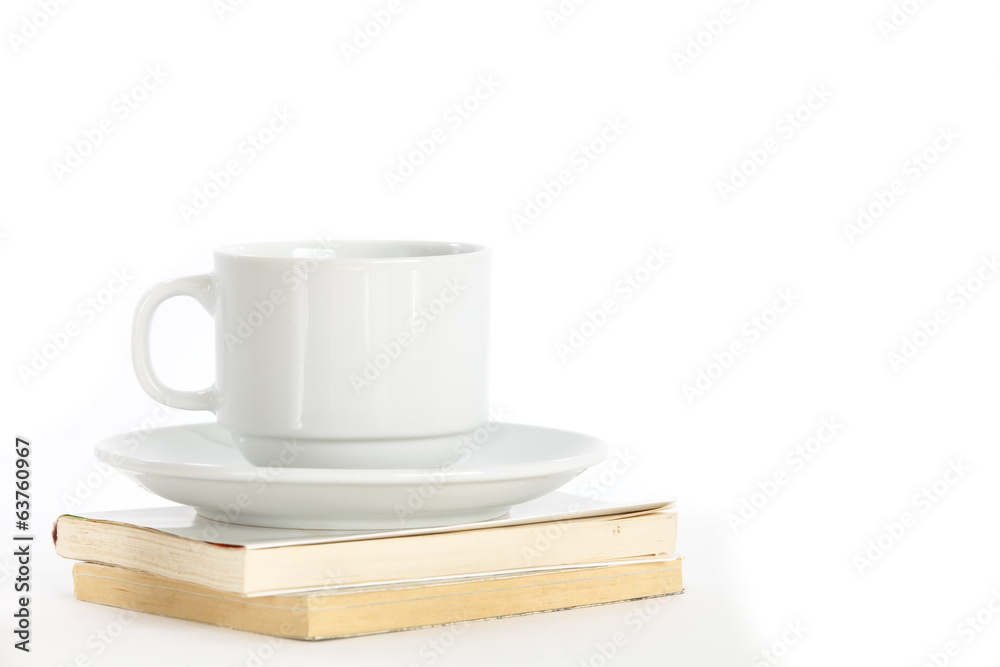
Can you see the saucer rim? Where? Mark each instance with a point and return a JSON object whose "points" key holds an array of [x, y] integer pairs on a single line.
{"points": [[109, 451]]}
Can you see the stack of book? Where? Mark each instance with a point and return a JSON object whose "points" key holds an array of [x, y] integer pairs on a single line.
{"points": [[327, 584]]}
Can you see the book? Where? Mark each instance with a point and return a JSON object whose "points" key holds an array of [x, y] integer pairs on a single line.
{"points": [[346, 611], [174, 543]]}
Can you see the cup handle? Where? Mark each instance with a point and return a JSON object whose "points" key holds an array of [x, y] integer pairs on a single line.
{"points": [[200, 289]]}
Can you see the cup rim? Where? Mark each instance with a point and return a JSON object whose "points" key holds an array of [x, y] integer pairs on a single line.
{"points": [[423, 251]]}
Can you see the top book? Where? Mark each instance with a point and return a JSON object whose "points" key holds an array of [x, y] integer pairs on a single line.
{"points": [[174, 542]]}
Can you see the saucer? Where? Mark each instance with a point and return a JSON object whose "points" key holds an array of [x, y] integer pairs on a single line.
{"points": [[198, 465]]}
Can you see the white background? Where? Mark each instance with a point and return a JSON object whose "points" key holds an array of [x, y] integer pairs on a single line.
{"points": [[888, 94]]}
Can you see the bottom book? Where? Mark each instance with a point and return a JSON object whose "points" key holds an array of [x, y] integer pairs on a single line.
{"points": [[349, 611]]}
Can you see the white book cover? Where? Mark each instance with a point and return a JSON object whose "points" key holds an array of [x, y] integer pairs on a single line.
{"points": [[183, 521]]}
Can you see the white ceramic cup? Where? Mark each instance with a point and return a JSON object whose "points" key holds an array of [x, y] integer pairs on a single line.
{"points": [[338, 354]]}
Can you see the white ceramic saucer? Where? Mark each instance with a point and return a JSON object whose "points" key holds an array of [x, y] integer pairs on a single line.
{"points": [[198, 465]]}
